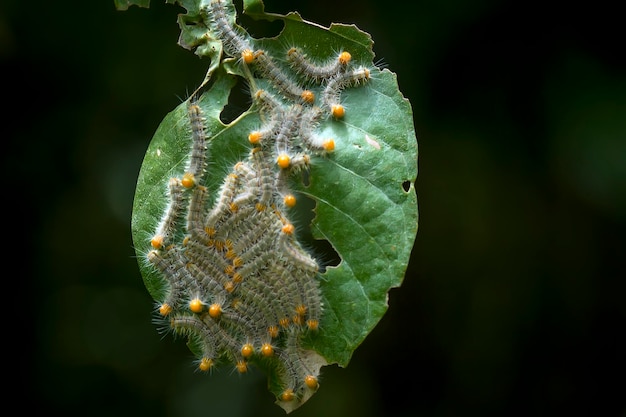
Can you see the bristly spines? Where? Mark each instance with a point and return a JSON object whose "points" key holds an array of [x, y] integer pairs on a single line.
{"points": [[220, 16], [315, 72], [197, 160]]}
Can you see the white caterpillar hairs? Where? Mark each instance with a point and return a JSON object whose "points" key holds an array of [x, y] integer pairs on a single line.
{"points": [[281, 81], [331, 95], [317, 73], [198, 153], [235, 41]]}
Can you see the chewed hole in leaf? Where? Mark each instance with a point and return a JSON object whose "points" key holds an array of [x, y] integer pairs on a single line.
{"points": [[328, 255], [306, 179], [238, 102], [321, 249], [261, 28]]}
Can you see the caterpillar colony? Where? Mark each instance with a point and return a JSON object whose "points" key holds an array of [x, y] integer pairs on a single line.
{"points": [[239, 283]]}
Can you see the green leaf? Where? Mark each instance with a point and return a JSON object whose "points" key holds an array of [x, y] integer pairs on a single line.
{"points": [[364, 201], [364, 211]]}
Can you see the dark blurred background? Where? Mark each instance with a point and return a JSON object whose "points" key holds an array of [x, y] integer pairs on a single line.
{"points": [[513, 303]]}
